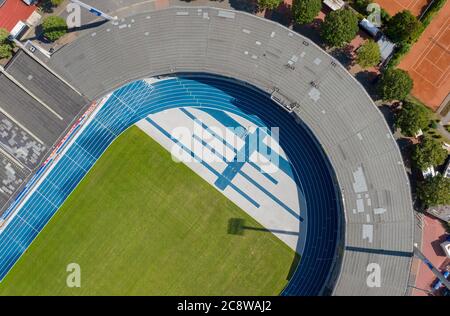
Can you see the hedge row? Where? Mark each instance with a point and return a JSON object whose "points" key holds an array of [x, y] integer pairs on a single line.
{"points": [[434, 8]]}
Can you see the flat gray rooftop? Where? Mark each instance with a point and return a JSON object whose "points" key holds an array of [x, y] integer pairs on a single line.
{"points": [[29, 113], [43, 84], [19, 144], [352, 131], [12, 177], [35, 110]]}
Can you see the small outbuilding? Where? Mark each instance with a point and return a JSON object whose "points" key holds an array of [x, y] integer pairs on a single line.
{"points": [[334, 4], [441, 211], [385, 45]]}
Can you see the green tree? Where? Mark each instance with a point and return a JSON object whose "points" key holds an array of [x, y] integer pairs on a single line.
{"points": [[304, 11], [368, 54], [269, 4], [54, 27], [429, 153], [6, 46], [339, 27], [361, 5], [395, 84], [412, 118], [56, 3], [385, 16], [3, 35], [404, 27], [435, 191]]}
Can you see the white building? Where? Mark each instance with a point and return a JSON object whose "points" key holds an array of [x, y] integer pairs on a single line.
{"points": [[334, 4], [446, 172]]}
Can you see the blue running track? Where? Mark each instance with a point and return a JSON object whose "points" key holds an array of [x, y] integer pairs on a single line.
{"points": [[135, 101]]}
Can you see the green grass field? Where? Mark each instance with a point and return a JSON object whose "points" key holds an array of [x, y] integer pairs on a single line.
{"points": [[141, 224]]}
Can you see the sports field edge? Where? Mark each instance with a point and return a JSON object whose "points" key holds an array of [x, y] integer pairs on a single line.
{"points": [[79, 233]]}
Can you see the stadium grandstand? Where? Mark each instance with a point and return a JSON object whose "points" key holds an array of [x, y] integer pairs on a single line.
{"points": [[359, 212]]}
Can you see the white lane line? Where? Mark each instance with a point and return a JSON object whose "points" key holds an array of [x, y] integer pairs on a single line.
{"points": [[28, 224], [76, 163], [20, 125]]}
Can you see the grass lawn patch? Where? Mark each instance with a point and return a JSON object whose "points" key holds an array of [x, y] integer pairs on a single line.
{"points": [[141, 224]]}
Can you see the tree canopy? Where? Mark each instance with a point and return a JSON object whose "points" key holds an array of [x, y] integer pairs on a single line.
{"points": [[412, 118], [269, 4], [361, 5], [6, 46], [339, 27], [429, 153], [403, 27], [56, 3], [435, 191], [395, 84], [304, 11], [54, 27], [368, 54]]}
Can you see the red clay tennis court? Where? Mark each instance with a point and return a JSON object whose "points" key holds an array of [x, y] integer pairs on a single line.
{"points": [[14, 11], [394, 6], [428, 62]]}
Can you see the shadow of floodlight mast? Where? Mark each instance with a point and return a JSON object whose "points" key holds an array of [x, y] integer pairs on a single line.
{"points": [[236, 226]]}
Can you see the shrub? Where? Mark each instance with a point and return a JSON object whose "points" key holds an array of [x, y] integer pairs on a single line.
{"points": [[54, 27], [339, 27], [304, 11], [429, 153], [269, 4], [56, 3], [6, 47], [368, 54], [361, 6], [385, 16], [412, 118], [434, 8], [401, 50], [395, 84], [404, 28], [435, 191]]}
